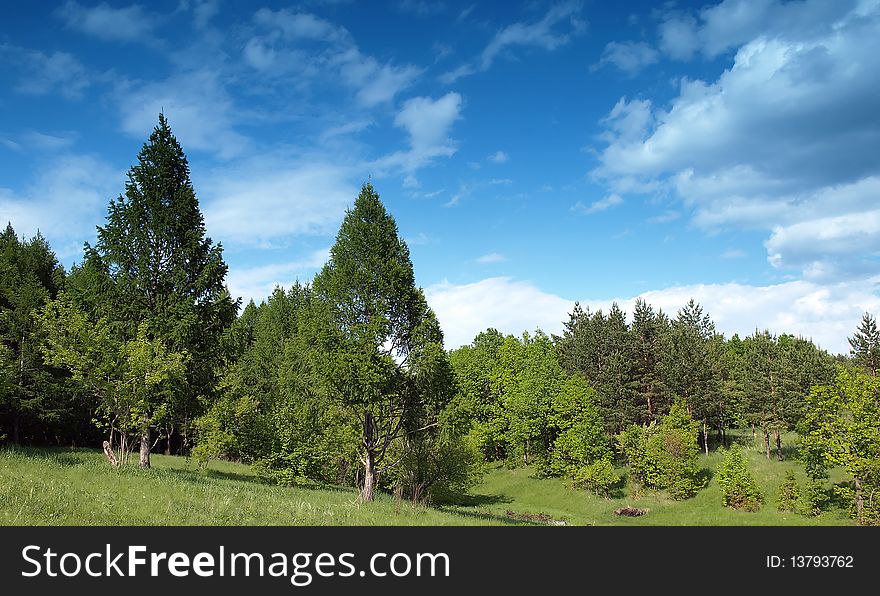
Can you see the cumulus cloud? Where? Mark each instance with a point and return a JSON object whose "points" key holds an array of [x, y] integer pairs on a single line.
{"points": [[503, 303], [427, 123], [718, 28], [130, 23], [826, 314], [783, 140]]}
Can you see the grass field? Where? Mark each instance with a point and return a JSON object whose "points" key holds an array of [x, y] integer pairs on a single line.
{"points": [[78, 487]]}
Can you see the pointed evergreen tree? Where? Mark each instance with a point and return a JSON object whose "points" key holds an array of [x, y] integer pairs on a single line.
{"points": [[30, 276], [376, 330], [865, 344], [164, 271], [687, 365]]}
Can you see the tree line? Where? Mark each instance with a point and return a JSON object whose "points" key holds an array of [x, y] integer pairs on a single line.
{"points": [[345, 380]]}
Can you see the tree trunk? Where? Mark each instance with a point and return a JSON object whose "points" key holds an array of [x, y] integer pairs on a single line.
{"points": [[860, 502], [168, 440], [16, 429], [145, 445], [754, 435], [368, 492], [526, 453], [778, 445], [705, 437], [767, 443]]}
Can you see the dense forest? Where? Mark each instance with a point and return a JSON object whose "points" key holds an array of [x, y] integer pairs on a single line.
{"points": [[345, 380]]}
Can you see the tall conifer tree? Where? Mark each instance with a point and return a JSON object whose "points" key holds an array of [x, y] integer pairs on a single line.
{"points": [[164, 270]]}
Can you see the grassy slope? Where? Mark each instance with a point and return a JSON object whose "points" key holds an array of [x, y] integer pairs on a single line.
{"points": [[63, 487]]}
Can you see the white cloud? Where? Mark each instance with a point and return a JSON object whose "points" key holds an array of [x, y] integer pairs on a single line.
{"points": [[204, 11], [377, 83], [783, 141], [308, 47], [58, 72], [554, 30], [608, 202], [198, 107], [827, 314], [64, 202], [731, 23], [34, 140], [427, 123], [257, 283], [267, 200], [297, 26], [492, 257], [678, 37], [499, 157], [105, 22], [733, 253], [842, 244], [541, 34], [629, 56], [503, 303]]}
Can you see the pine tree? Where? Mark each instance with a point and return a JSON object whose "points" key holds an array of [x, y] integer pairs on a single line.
{"points": [[865, 344], [688, 368], [164, 271]]}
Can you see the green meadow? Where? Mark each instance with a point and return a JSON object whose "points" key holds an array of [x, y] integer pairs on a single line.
{"points": [[79, 487]]}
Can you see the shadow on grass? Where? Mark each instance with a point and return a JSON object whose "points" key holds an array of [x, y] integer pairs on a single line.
{"points": [[704, 477], [489, 516], [62, 456], [481, 500]]}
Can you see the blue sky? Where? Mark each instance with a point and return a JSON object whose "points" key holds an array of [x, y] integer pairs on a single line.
{"points": [[532, 153]]}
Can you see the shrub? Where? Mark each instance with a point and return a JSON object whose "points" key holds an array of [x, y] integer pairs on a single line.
{"points": [[738, 487], [664, 455], [815, 498], [789, 493], [598, 477]]}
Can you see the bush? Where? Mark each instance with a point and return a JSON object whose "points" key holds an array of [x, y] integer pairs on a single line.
{"points": [[598, 477], [789, 493], [738, 487], [815, 498], [664, 455]]}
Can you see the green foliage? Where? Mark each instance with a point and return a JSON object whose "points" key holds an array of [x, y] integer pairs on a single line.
{"points": [[841, 426], [664, 455], [580, 437], [128, 380], [33, 396], [815, 498], [739, 489], [375, 347], [154, 264], [789, 493], [865, 344], [598, 477]]}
